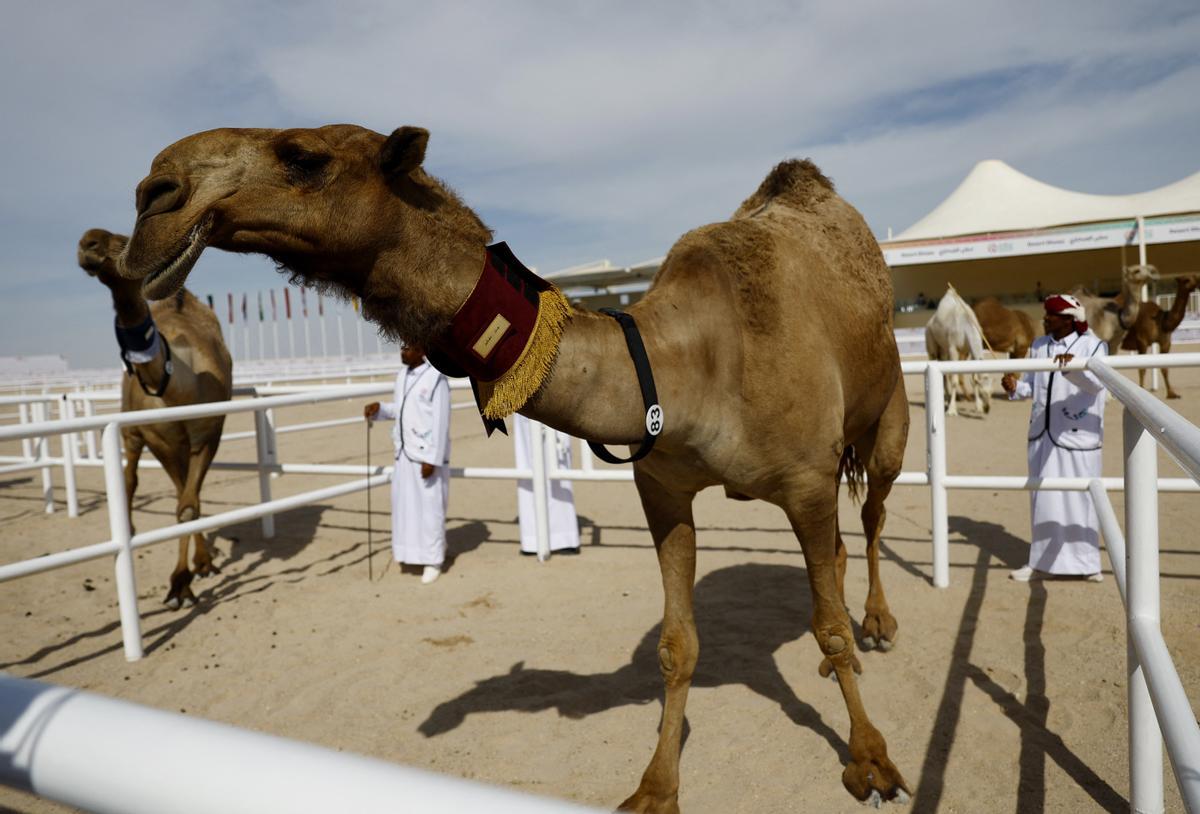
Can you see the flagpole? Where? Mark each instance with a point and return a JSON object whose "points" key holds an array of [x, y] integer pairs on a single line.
{"points": [[245, 328], [261, 341], [275, 323], [287, 307], [229, 340], [321, 320]]}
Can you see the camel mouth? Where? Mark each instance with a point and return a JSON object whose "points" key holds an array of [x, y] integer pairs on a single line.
{"points": [[169, 278]]}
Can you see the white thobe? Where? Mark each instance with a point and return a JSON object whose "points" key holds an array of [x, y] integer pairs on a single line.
{"points": [[564, 525], [421, 435], [1066, 429]]}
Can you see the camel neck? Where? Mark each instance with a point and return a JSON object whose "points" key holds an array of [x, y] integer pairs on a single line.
{"points": [[129, 303], [593, 390]]}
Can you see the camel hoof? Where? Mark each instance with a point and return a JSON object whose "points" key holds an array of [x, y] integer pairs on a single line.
{"points": [[885, 645], [868, 643], [874, 800], [172, 602], [902, 797]]}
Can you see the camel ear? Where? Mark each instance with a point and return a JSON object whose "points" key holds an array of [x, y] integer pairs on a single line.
{"points": [[403, 151]]}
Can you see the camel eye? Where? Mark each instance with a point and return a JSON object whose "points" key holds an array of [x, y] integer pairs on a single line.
{"points": [[303, 167]]}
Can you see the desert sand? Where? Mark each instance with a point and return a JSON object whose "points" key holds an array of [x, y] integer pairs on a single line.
{"points": [[998, 696]]}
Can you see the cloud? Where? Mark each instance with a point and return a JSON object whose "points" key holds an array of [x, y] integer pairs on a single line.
{"points": [[578, 130]]}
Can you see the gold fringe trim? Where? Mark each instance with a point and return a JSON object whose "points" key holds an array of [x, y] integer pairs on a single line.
{"points": [[509, 393]]}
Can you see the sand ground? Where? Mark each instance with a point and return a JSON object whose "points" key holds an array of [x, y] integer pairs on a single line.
{"points": [[999, 696]]}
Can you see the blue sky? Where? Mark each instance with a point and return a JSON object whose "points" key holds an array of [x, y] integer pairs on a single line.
{"points": [[578, 131]]}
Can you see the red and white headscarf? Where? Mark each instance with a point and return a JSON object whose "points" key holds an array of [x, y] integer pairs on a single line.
{"points": [[1072, 307]]}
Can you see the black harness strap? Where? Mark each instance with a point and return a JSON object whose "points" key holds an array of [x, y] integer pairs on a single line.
{"points": [[141, 338], [654, 413]]}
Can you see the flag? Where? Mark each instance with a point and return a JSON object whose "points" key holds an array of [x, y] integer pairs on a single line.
{"points": [[230, 295], [304, 302], [274, 312], [260, 308], [210, 303], [320, 305], [287, 304], [244, 308]]}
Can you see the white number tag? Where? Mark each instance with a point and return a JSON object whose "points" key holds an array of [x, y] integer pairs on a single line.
{"points": [[654, 419]]}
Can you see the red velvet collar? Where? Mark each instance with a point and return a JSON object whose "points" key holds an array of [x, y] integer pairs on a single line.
{"points": [[491, 329]]}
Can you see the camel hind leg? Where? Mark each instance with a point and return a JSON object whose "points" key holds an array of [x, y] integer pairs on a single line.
{"points": [[1164, 346], [189, 506], [881, 451], [669, 515], [812, 510]]}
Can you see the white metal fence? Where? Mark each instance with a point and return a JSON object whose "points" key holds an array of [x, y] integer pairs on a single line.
{"points": [[1158, 693], [115, 757]]}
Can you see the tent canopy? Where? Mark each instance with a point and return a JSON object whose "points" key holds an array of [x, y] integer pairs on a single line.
{"points": [[994, 197]]}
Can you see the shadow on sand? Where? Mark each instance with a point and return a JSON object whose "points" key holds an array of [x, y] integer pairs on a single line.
{"points": [[996, 545], [744, 613]]}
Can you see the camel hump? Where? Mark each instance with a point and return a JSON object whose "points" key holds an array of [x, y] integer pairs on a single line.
{"points": [[795, 182]]}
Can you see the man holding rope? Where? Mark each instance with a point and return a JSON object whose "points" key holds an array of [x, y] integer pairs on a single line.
{"points": [[421, 482], [1066, 429]]}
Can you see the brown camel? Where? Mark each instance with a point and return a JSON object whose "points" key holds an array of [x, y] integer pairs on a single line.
{"points": [[201, 371], [1155, 325], [1006, 330], [769, 404], [1110, 317]]}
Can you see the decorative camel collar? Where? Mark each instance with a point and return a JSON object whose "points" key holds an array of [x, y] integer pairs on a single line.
{"points": [[505, 337]]}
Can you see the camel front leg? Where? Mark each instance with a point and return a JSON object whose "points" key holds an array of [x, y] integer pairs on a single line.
{"points": [[870, 776], [669, 515], [134, 444], [189, 507]]}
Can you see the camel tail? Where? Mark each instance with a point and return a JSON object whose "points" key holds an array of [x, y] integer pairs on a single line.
{"points": [[854, 470]]}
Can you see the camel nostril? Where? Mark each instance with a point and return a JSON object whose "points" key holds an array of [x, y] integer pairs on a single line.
{"points": [[158, 195]]}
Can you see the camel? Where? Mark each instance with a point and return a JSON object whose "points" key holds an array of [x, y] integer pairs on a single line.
{"points": [[953, 333], [1110, 317], [354, 212], [201, 371], [1005, 330], [1155, 325]]}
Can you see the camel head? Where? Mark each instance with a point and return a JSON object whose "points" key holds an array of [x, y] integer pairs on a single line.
{"points": [[98, 252], [1140, 274], [1186, 285], [340, 207]]}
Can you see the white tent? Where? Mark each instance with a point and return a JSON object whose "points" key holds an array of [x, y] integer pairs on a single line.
{"points": [[1002, 232], [996, 198]]}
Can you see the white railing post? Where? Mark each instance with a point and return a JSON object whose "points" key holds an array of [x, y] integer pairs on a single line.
{"points": [[89, 410], [43, 452], [26, 443], [118, 524], [66, 411], [935, 467], [1141, 532], [541, 511], [272, 448], [262, 433]]}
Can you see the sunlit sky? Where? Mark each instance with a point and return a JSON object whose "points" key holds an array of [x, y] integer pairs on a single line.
{"points": [[577, 131]]}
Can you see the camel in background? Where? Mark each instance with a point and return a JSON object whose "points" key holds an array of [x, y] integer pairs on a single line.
{"points": [[1005, 330], [951, 334], [1111, 317], [1155, 325], [201, 371], [795, 267]]}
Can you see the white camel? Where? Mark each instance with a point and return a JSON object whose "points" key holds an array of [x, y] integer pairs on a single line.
{"points": [[953, 333]]}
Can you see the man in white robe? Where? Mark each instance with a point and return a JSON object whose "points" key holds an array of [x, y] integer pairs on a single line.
{"points": [[421, 482], [564, 525], [1066, 429]]}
